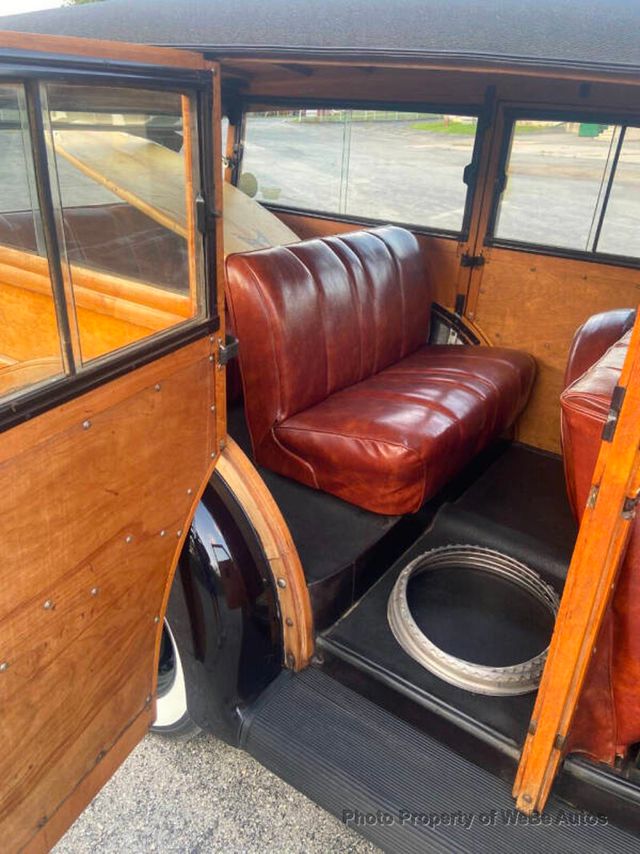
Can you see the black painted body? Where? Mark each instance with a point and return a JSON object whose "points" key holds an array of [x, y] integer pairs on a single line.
{"points": [[224, 615]]}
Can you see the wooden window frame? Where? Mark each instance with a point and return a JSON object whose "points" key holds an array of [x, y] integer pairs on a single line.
{"points": [[32, 70], [510, 115]]}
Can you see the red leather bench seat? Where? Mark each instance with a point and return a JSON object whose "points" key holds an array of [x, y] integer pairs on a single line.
{"points": [[341, 391]]}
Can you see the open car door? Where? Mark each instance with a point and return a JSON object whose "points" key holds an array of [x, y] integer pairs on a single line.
{"points": [[111, 403]]}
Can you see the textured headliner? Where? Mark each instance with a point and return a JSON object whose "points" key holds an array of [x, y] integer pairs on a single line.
{"points": [[585, 32]]}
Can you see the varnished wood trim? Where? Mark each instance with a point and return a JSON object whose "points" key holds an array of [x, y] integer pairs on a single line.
{"points": [[600, 548], [243, 480], [89, 786], [139, 304], [91, 48]]}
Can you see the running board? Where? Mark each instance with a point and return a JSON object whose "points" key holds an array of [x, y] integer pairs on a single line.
{"points": [[397, 786]]}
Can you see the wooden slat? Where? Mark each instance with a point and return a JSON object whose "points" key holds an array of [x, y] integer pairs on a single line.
{"points": [[122, 51], [598, 554], [144, 293], [241, 476], [95, 502]]}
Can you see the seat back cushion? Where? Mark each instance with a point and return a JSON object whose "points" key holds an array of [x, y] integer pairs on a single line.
{"points": [[607, 721], [593, 339], [317, 316]]}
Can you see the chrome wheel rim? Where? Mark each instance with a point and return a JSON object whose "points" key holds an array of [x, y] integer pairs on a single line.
{"points": [[480, 679]]}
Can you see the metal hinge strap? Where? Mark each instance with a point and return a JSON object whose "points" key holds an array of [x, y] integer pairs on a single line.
{"points": [[609, 429], [227, 351], [205, 217], [467, 260]]}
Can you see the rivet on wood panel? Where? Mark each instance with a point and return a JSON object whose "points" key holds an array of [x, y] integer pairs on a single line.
{"points": [[157, 386], [213, 407], [156, 619], [211, 358], [49, 605], [289, 621], [213, 455], [222, 444], [162, 532], [4, 665], [95, 591], [189, 491], [179, 533], [282, 582], [147, 702], [86, 424], [128, 538]]}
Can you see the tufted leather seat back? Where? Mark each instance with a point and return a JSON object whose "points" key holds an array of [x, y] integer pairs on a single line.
{"points": [[318, 316]]}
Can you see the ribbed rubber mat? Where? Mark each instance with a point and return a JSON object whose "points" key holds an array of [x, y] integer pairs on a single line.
{"points": [[401, 789]]}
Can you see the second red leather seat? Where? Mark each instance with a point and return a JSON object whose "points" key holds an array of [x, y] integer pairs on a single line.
{"points": [[341, 391]]}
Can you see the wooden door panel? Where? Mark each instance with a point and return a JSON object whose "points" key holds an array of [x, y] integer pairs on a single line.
{"points": [[95, 502], [536, 303]]}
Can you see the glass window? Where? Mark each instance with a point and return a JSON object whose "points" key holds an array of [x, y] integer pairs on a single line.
{"points": [[369, 164], [126, 186], [29, 342], [564, 188], [620, 234]]}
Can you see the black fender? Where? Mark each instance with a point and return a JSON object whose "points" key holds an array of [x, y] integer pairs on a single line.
{"points": [[224, 614]]}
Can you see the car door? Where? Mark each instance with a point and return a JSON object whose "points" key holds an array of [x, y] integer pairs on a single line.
{"points": [[111, 398]]}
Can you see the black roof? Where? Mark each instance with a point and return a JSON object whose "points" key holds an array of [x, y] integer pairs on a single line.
{"points": [[573, 32]]}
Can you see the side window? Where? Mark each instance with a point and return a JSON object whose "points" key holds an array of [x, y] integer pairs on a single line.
{"points": [[125, 186], [29, 343], [381, 165], [572, 186], [114, 172]]}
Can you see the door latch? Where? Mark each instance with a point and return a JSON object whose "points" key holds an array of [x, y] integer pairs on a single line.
{"points": [[467, 260], [227, 351]]}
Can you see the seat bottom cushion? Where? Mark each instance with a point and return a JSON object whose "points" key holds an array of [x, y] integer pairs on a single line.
{"points": [[393, 440]]}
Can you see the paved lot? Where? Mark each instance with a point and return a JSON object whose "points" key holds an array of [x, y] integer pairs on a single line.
{"points": [[203, 796], [400, 171]]}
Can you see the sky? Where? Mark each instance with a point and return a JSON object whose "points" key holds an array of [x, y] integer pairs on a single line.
{"points": [[15, 7]]}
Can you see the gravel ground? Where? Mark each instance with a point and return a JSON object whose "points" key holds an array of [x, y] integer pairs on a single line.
{"points": [[203, 796]]}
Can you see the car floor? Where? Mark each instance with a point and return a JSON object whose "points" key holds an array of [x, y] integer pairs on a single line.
{"points": [[517, 506]]}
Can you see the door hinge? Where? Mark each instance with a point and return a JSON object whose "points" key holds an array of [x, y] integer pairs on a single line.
{"points": [[630, 505], [227, 351], [467, 260], [205, 217], [609, 429]]}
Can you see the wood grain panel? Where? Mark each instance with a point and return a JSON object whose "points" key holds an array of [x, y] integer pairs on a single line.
{"points": [[95, 501], [241, 476], [71, 46], [440, 253], [536, 303]]}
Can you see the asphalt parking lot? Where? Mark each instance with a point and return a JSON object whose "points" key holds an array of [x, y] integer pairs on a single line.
{"points": [[203, 796]]}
